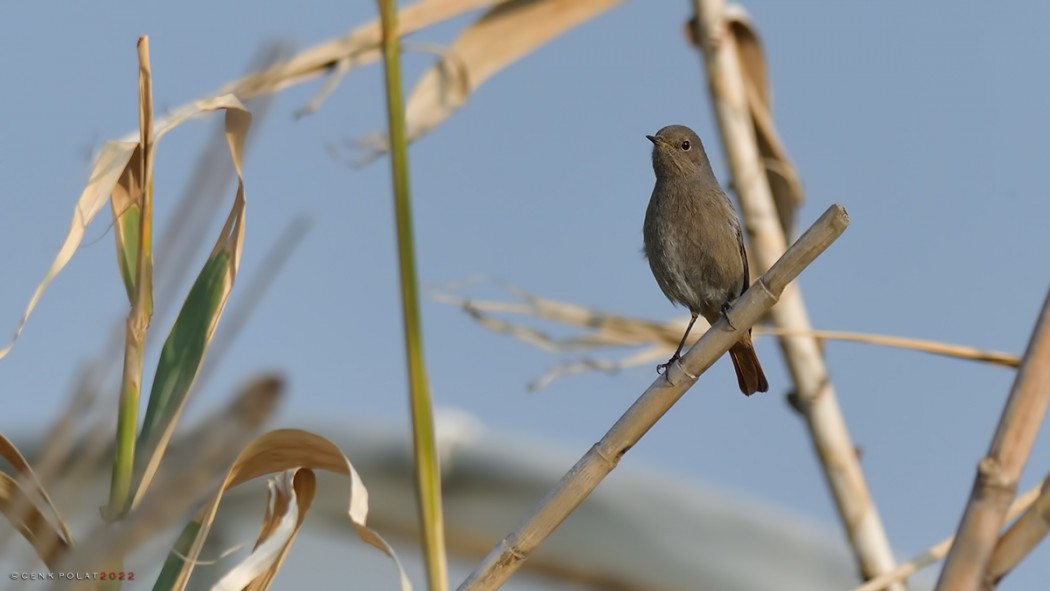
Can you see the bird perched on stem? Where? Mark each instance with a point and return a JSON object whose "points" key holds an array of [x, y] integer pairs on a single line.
{"points": [[695, 245]]}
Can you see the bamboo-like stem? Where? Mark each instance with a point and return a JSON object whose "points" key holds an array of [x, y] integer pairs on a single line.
{"points": [[428, 475], [939, 550], [600, 460], [999, 471], [1021, 538], [819, 405], [141, 306]]}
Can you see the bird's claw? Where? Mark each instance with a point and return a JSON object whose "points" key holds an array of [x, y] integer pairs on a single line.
{"points": [[663, 366]]}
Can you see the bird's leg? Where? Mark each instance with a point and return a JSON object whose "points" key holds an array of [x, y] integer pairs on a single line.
{"points": [[678, 352], [725, 314]]}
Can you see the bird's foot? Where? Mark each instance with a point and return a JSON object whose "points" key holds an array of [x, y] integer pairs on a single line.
{"points": [[663, 366], [662, 369]]}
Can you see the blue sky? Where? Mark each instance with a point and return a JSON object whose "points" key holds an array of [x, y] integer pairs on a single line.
{"points": [[927, 121]]}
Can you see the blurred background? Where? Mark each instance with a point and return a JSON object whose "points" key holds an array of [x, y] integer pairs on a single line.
{"points": [[928, 122]]}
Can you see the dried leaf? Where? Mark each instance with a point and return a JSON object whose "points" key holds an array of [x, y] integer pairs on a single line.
{"points": [[110, 165], [49, 541], [336, 57], [291, 494], [27, 519], [189, 473], [289, 449], [505, 34], [10, 452]]}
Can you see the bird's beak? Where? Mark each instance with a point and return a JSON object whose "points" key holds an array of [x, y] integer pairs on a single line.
{"points": [[653, 139]]}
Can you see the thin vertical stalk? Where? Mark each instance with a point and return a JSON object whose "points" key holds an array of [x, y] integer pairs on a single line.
{"points": [[428, 476], [141, 305], [818, 403], [998, 472]]}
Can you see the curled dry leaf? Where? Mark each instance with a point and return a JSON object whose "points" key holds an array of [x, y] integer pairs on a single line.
{"points": [[289, 449], [189, 473], [290, 496]]}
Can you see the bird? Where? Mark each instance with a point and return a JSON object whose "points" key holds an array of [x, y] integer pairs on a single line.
{"points": [[695, 246]]}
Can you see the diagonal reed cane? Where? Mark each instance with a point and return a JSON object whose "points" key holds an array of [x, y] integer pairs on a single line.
{"points": [[597, 463]]}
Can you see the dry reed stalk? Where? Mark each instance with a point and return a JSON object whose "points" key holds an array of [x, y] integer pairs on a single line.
{"points": [[600, 460], [1021, 538], [1000, 358], [999, 471], [818, 403], [940, 549], [605, 329]]}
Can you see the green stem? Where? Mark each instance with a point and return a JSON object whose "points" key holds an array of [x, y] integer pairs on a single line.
{"points": [[428, 477], [141, 306]]}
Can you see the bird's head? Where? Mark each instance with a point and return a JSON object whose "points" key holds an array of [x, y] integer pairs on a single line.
{"points": [[678, 150]]}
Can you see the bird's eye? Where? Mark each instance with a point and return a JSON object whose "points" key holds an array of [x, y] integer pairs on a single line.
{"points": [[685, 145]]}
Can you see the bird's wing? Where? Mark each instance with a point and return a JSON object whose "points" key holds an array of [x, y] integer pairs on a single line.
{"points": [[746, 280]]}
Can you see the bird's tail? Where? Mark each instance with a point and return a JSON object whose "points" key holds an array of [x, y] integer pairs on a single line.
{"points": [[748, 370]]}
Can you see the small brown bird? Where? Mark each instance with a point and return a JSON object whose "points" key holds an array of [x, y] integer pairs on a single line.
{"points": [[694, 243]]}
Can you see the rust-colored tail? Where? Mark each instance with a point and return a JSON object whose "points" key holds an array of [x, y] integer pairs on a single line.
{"points": [[748, 370]]}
